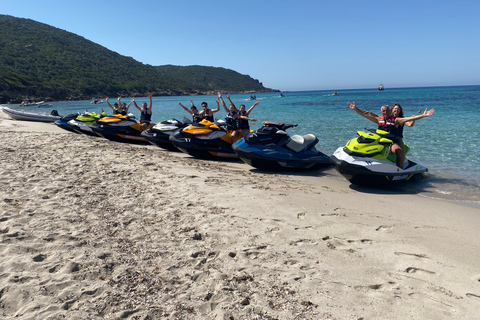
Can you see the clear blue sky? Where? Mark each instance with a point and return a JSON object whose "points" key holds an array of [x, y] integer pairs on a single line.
{"points": [[287, 45]]}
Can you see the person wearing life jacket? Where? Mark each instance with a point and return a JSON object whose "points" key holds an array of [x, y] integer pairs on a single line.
{"points": [[208, 113], [400, 121], [123, 107], [193, 111], [115, 107], [231, 118], [145, 112], [243, 119], [391, 124]]}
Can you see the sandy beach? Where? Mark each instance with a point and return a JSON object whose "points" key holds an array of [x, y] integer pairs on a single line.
{"points": [[94, 229]]}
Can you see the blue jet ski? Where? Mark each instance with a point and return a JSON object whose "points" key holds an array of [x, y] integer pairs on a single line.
{"points": [[271, 148], [63, 121]]}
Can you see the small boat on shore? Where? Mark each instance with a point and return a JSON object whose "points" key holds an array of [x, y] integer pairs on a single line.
{"points": [[31, 116]]}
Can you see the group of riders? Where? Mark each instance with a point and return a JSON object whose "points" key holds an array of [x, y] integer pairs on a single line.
{"points": [[237, 119], [391, 120], [145, 111]]}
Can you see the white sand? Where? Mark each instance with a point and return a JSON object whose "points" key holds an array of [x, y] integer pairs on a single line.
{"points": [[93, 229]]}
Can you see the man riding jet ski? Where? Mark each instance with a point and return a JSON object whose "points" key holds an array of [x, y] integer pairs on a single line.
{"points": [[368, 160], [271, 148], [160, 133]]}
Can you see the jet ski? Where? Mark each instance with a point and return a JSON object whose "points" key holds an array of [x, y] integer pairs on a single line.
{"points": [[160, 133], [81, 124], [367, 160], [271, 148], [206, 140], [63, 121], [122, 128]]}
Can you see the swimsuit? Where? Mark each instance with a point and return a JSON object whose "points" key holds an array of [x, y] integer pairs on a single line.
{"points": [[243, 123], [206, 116], [231, 121], [145, 117]]}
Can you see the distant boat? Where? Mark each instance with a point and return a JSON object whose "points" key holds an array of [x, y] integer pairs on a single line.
{"points": [[31, 103], [380, 87]]}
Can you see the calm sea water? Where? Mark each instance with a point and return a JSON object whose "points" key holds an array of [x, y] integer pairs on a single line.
{"points": [[447, 142]]}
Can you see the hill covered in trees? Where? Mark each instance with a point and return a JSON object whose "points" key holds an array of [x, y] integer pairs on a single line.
{"points": [[44, 62]]}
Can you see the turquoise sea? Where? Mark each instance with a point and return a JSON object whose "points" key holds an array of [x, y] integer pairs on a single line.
{"points": [[447, 142]]}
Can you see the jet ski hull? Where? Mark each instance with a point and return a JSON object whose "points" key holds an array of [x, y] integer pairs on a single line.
{"points": [[277, 158], [203, 148], [63, 122], [372, 172], [120, 132], [64, 125], [159, 139], [82, 127], [159, 135]]}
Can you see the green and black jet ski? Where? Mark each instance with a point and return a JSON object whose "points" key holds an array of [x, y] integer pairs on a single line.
{"points": [[81, 124], [367, 160]]}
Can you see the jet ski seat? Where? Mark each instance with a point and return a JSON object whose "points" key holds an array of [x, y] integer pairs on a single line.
{"points": [[299, 143]]}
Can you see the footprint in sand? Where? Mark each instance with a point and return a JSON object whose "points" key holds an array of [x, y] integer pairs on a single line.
{"points": [[384, 228], [336, 244], [414, 270], [418, 255], [253, 253], [378, 287]]}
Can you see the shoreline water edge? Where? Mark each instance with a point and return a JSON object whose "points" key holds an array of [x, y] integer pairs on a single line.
{"points": [[445, 143], [95, 229]]}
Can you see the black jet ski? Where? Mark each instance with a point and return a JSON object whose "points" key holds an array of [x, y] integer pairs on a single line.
{"points": [[63, 121], [160, 133], [206, 140], [271, 148], [122, 128], [367, 160]]}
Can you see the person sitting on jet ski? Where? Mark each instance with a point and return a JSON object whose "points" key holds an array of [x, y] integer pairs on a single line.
{"points": [[193, 111], [232, 116], [145, 112], [393, 125], [208, 113], [237, 120], [114, 108], [123, 107], [242, 121]]}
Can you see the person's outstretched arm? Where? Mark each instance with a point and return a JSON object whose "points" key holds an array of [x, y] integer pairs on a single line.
{"points": [[364, 114], [427, 113], [251, 108]]}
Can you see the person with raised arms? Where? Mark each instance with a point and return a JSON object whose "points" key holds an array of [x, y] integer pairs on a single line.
{"points": [[394, 125]]}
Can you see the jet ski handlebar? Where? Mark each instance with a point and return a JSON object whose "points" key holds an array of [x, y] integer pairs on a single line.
{"points": [[281, 126], [381, 133]]}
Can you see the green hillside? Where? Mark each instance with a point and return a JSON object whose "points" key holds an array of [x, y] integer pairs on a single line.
{"points": [[210, 77], [41, 61]]}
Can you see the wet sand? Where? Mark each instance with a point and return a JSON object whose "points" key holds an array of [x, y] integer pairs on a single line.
{"points": [[94, 229]]}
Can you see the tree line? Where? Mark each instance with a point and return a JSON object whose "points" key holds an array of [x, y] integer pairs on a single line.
{"points": [[38, 60]]}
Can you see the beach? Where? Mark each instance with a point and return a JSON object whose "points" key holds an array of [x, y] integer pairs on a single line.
{"points": [[95, 229]]}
